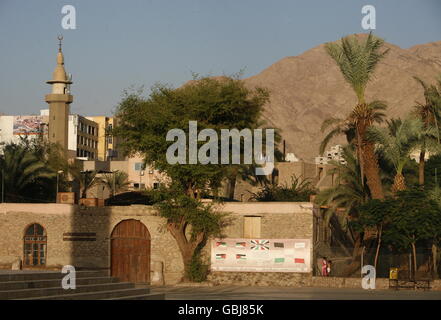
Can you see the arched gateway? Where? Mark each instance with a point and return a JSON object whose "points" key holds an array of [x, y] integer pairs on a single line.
{"points": [[130, 251]]}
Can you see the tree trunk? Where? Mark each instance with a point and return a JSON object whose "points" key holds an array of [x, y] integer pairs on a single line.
{"points": [[378, 246], [360, 157], [421, 166], [414, 260], [190, 190], [399, 183], [372, 171], [356, 255], [435, 265], [231, 187], [186, 247]]}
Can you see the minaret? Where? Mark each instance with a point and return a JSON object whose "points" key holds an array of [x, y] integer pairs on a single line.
{"points": [[59, 100]]}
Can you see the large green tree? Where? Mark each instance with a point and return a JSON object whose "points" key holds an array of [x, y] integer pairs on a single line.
{"points": [[214, 103], [408, 218], [143, 125]]}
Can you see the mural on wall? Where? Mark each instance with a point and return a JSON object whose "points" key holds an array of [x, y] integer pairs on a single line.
{"points": [[28, 125], [261, 255]]}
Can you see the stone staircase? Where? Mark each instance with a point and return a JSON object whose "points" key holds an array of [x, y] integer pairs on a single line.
{"points": [[90, 285]]}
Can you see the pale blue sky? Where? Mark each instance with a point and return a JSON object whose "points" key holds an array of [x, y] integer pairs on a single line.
{"points": [[122, 43]]}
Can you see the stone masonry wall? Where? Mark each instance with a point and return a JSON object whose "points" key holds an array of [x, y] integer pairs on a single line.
{"points": [[289, 279], [279, 220]]}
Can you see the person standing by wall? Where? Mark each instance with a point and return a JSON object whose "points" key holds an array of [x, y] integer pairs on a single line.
{"points": [[328, 268], [324, 267]]}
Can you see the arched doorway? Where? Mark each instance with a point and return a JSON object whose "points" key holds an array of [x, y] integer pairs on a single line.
{"points": [[130, 252], [35, 245]]}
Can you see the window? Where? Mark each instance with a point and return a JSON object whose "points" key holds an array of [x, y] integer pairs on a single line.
{"points": [[138, 166], [251, 227], [35, 245]]}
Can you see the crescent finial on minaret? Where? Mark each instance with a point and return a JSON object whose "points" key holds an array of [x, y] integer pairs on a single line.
{"points": [[60, 38]]}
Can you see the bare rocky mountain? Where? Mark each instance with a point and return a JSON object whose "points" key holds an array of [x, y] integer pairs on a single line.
{"points": [[309, 88]]}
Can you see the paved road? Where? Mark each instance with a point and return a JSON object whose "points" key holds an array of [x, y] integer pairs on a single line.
{"points": [[284, 293]]}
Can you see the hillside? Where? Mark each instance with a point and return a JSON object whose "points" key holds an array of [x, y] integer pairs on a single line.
{"points": [[307, 89]]}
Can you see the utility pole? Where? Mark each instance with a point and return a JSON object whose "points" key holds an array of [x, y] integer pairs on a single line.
{"points": [[58, 173]]}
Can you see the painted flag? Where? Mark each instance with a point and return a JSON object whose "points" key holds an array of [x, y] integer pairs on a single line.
{"points": [[260, 244], [299, 245], [221, 244], [279, 245], [298, 260], [279, 260], [241, 245], [241, 256], [221, 256]]}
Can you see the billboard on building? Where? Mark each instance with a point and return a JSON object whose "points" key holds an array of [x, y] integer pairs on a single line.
{"points": [[28, 125], [261, 255]]}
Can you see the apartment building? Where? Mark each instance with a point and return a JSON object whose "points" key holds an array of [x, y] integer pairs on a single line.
{"points": [[107, 144], [83, 137]]}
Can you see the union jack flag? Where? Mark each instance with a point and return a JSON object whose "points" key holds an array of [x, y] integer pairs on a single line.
{"points": [[260, 244]]}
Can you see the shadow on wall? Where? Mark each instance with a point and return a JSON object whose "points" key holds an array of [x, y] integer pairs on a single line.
{"points": [[102, 240], [89, 238]]}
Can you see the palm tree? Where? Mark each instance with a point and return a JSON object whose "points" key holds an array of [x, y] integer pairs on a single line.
{"points": [[357, 62], [430, 115], [86, 179], [116, 181], [337, 127], [396, 143], [21, 169]]}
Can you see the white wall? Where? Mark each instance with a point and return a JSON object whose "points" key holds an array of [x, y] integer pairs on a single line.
{"points": [[6, 127], [72, 132]]}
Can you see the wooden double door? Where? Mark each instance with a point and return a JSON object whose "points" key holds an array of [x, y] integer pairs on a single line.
{"points": [[130, 252]]}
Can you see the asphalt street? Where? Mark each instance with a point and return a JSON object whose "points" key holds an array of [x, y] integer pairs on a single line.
{"points": [[288, 293]]}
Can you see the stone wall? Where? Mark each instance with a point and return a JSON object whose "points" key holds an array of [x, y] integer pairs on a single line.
{"points": [[289, 279], [279, 220]]}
